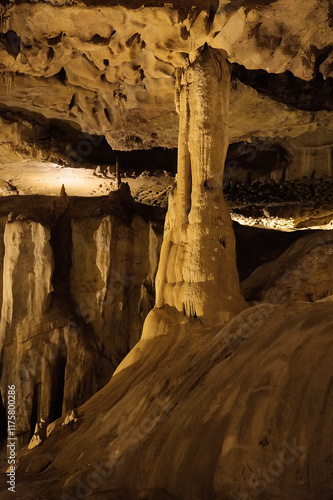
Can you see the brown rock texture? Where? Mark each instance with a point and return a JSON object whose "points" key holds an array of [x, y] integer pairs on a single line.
{"points": [[76, 287], [110, 69], [302, 273], [203, 414], [206, 389]]}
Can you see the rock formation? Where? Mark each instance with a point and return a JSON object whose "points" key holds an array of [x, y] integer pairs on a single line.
{"points": [[197, 273], [142, 368], [76, 289], [111, 69], [303, 273], [206, 414]]}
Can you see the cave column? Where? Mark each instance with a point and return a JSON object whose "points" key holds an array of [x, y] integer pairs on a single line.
{"points": [[197, 272]]}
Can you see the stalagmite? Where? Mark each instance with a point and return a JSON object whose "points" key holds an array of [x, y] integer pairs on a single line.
{"points": [[197, 273], [39, 434], [63, 193], [118, 177]]}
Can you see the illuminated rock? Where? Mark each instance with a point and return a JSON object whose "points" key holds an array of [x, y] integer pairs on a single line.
{"points": [[197, 273]]}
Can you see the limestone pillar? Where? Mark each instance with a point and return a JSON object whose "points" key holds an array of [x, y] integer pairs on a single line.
{"points": [[197, 273]]}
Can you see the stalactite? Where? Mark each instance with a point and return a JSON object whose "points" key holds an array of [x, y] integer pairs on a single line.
{"points": [[7, 78], [2, 13]]}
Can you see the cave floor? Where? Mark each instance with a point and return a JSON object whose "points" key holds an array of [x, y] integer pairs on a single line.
{"points": [[36, 177]]}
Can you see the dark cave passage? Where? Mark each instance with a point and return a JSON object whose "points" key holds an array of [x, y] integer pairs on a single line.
{"points": [[35, 411], [256, 246], [57, 390]]}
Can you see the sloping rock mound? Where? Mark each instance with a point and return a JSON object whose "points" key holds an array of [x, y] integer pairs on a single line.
{"points": [[203, 415], [302, 273]]}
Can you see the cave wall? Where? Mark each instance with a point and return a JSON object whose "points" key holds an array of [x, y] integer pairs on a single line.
{"points": [[112, 278], [303, 273], [77, 285], [3, 221]]}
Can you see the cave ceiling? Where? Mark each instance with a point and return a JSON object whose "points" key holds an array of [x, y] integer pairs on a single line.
{"points": [[110, 69]]}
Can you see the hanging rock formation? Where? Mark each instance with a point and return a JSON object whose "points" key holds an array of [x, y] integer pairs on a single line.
{"points": [[110, 69]]}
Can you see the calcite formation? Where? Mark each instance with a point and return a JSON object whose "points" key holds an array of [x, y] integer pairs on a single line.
{"points": [[77, 283], [143, 369], [111, 71], [197, 272]]}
